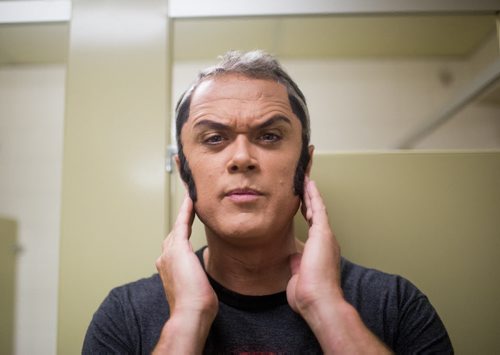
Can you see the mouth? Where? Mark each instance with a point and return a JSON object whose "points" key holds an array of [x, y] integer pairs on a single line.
{"points": [[243, 195]]}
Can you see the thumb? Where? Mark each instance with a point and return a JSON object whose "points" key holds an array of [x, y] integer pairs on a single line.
{"points": [[294, 262]]}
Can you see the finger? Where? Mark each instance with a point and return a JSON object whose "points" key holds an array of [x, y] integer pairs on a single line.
{"points": [[290, 289], [303, 206], [186, 212], [303, 209], [294, 262], [184, 221], [317, 206], [306, 211]]}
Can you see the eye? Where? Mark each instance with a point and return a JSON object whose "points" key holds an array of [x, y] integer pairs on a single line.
{"points": [[214, 139], [270, 137]]}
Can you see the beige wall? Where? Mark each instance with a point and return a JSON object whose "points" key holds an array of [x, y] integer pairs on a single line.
{"points": [[31, 125], [113, 202]]}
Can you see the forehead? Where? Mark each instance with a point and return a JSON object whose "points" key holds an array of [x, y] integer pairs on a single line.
{"points": [[238, 86], [229, 90]]}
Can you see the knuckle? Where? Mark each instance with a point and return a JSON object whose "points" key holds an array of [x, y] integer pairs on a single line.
{"points": [[158, 263], [166, 241]]}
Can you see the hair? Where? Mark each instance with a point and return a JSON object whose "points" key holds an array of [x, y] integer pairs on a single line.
{"points": [[255, 65]]}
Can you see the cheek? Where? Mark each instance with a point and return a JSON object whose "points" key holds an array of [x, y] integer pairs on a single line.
{"points": [[207, 198], [207, 177], [284, 165], [202, 178], [283, 177]]}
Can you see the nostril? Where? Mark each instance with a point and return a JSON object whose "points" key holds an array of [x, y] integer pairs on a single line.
{"points": [[234, 168]]}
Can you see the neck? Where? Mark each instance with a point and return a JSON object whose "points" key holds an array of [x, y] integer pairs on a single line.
{"points": [[252, 268]]}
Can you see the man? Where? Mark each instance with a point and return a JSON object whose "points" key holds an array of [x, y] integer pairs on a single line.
{"points": [[244, 155]]}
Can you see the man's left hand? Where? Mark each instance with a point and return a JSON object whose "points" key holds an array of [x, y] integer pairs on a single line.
{"points": [[314, 290], [316, 272]]}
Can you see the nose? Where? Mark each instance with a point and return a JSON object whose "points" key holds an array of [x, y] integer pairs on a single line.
{"points": [[242, 159]]}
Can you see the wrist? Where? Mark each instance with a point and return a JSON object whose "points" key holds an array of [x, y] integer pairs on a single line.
{"points": [[185, 333], [330, 322], [196, 321], [205, 312], [340, 330], [331, 313]]}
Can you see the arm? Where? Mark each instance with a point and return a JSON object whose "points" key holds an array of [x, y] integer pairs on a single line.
{"points": [[193, 303], [314, 290]]}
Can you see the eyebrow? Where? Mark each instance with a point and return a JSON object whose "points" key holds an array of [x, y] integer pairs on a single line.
{"points": [[211, 124], [221, 126], [273, 120]]}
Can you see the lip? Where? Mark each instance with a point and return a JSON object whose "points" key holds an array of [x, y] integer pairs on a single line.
{"points": [[243, 194]]}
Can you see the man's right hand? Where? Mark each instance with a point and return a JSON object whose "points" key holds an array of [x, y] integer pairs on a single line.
{"points": [[192, 301]]}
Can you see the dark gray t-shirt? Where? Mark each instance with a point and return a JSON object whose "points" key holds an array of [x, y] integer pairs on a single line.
{"points": [[130, 319]]}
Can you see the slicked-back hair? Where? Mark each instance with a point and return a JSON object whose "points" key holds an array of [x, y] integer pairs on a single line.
{"points": [[254, 65]]}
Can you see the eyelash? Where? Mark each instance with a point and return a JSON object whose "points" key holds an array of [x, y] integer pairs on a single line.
{"points": [[266, 138], [275, 137], [214, 139]]}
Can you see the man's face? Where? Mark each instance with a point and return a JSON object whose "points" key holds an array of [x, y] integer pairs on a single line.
{"points": [[242, 143]]}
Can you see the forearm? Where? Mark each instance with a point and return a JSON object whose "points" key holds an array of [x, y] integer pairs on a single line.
{"points": [[184, 335], [340, 330]]}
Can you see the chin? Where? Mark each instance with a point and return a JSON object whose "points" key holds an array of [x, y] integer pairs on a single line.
{"points": [[249, 227], [249, 233], [240, 229]]}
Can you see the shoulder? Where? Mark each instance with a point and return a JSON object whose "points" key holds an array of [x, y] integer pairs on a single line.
{"points": [[136, 298], [143, 300], [361, 283], [377, 294], [129, 319], [395, 310], [148, 289]]}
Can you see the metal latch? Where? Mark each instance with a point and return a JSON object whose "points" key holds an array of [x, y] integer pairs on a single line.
{"points": [[169, 162]]}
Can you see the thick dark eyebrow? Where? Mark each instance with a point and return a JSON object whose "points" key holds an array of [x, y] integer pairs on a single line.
{"points": [[273, 120], [221, 126], [211, 124]]}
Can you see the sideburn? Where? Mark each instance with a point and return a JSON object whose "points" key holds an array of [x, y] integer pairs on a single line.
{"points": [[300, 171], [298, 179], [186, 174]]}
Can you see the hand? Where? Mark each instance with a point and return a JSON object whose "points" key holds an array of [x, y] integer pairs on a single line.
{"points": [[184, 280], [193, 302], [315, 278], [314, 290]]}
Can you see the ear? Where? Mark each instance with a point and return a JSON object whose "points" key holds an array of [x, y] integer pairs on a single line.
{"points": [[177, 162], [178, 165], [309, 164]]}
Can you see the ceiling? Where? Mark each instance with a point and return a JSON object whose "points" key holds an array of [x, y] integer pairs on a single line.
{"points": [[304, 37], [37, 43], [291, 37], [327, 37], [334, 36], [492, 95]]}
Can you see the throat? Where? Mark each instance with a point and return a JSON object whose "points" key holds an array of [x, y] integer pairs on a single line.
{"points": [[250, 273]]}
